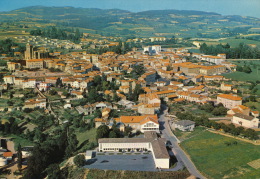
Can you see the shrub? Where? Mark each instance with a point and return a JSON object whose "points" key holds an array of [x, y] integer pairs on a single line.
{"points": [[79, 160]]}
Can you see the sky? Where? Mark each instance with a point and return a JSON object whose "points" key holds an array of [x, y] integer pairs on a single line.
{"points": [[224, 7]]}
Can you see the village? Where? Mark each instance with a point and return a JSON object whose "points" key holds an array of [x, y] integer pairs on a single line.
{"points": [[135, 101]]}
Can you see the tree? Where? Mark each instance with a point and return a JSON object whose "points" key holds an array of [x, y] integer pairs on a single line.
{"points": [[10, 103], [79, 160], [54, 171], [72, 145], [52, 92], [19, 157], [138, 70], [102, 132], [58, 82], [112, 134], [128, 130]]}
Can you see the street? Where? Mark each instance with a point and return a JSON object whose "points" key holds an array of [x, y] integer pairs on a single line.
{"points": [[179, 153]]}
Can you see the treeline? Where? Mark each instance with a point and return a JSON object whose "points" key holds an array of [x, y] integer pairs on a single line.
{"points": [[57, 33], [243, 51], [229, 128], [5, 47], [121, 48], [59, 145]]}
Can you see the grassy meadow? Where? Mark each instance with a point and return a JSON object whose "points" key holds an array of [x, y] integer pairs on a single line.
{"points": [[215, 159], [241, 76]]}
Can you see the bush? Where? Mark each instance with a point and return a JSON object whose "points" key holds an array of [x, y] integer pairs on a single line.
{"points": [[79, 160]]}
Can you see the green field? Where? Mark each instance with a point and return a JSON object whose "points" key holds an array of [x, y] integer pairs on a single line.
{"points": [[235, 42], [217, 160], [186, 135], [241, 76]]}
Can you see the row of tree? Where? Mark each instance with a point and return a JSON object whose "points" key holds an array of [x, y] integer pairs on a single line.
{"points": [[57, 33], [103, 131], [229, 128], [242, 51], [121, 48]]}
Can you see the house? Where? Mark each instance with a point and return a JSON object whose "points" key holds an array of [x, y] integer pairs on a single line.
{"points": [[38, 102], [8, 155], [100, 121], [245, 120], [239, 109], [128, 104], [27, 151], [89, 154], [3, 161], [184, 125], [142, 123], [43, 86], [30, 83], [77, 94], [9, 79], [150, 142], [229, 101], [225, 87], [148, 108], [34, 63], [13, 66]]}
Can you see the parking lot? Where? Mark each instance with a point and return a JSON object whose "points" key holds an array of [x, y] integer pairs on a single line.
{"points": [[141, 162]]}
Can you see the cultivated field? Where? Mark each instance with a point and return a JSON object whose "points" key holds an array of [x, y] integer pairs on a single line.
{"points": [[215, 159]]}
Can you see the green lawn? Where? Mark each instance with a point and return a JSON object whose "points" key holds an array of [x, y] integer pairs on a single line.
{"points": [[217, 160], [85, 139], [186, 135]]}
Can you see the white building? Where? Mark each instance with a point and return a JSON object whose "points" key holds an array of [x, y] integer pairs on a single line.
{"points": [[155, 49], [245, 120], [185, 125], [151, 143], [44, 86], [30, 83], [229, 101], [9, 79]]}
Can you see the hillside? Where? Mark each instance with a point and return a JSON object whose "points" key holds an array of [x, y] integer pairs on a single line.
{"points": [[116, 22]]}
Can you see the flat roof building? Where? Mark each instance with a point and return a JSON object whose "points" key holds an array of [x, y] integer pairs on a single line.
{"points": [[151, 143]]}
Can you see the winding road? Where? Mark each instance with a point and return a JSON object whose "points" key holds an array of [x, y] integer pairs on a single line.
{"points": [[176, 149]]}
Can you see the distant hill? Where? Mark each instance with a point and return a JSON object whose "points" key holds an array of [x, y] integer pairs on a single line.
{"points": [[116, 22]]}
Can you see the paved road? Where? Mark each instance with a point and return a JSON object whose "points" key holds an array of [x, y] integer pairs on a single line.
{"points": [[179, 153]]}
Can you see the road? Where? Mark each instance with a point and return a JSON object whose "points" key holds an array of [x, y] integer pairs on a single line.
{"points": [[179, 153]]}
